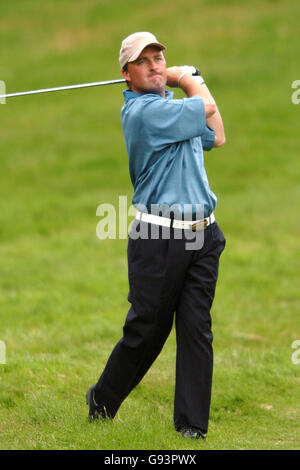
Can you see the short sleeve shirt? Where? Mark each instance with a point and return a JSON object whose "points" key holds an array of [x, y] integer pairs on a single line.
{"points": [[165, 139]]}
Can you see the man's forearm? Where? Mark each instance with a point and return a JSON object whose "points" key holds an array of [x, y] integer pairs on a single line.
{"points": [[214, 120], [192, 87]]}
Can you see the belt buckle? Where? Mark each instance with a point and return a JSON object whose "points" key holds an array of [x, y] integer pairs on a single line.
{"points": [[201, 225]]}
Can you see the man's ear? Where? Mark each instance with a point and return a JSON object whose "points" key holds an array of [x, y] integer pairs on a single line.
{"points": [[126, 75]]}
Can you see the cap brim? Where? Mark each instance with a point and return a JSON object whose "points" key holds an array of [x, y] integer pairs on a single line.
{"points": [[138, 52]]}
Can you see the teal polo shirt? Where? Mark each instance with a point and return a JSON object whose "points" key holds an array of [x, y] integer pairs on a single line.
{"points": [[165, 139]]}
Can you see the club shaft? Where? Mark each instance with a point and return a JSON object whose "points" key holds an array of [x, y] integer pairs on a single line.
{"points": [[71, 87], [61, 88]]}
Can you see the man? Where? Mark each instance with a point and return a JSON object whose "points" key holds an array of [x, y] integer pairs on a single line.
{"points": [[165, 139]]}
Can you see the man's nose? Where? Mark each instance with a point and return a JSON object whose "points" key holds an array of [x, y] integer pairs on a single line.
{"points": [[153, 66]]}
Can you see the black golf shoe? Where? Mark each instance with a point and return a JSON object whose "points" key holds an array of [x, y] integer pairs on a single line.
{"points": [[192, 433], [95, 411]]}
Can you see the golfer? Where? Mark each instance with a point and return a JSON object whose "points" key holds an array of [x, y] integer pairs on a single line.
{"points": [[168, 275]]}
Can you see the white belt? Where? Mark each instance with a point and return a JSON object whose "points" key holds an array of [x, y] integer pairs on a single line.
{"points": [[183, 224]]}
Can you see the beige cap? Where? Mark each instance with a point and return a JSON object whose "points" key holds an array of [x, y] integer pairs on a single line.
{"points": [[133, 45]]}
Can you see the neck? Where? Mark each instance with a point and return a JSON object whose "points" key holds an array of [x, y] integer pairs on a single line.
{"points": [[162, 92]]}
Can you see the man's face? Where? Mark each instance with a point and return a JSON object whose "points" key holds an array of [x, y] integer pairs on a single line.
{"points": [[148, 73]]}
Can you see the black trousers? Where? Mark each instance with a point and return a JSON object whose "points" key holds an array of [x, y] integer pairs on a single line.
{"points": [[164, 278]]}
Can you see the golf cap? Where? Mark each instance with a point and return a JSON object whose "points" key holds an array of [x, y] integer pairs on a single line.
{"points": [[133, 45]]}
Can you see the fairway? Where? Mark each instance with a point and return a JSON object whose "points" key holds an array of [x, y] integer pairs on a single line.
{"points": [[63, 292]]}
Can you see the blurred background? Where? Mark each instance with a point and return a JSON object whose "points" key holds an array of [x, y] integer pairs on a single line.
{"points": [[63, 292]]}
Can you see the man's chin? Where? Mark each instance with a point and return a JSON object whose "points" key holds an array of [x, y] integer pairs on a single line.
{"points": [[155, 88], [158, 85]]}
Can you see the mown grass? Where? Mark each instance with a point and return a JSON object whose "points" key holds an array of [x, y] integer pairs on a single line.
{"points": [[63, 292]]}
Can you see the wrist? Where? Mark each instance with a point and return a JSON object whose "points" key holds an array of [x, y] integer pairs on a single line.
{"points": [[198, 78]]}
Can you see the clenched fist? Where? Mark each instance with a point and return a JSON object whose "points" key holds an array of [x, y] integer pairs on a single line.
{"points": [[174, 73]]}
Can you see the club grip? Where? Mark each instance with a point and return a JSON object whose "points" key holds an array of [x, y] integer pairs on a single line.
{"points": [[197, 72]]}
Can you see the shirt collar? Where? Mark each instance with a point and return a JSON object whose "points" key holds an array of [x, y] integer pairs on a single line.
{"points": [[129, 95]]}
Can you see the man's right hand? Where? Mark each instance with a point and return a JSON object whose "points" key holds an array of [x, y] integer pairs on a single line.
{"points": [[174, 73]]}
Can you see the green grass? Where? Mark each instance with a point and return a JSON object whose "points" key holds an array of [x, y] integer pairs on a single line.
{"points": [[63, 292]]}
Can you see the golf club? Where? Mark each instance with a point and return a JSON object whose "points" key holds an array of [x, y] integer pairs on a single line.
{"points": [[61, 88], [71, 87]]}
